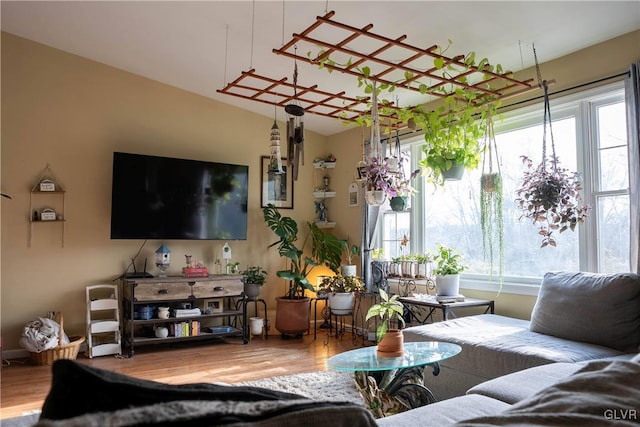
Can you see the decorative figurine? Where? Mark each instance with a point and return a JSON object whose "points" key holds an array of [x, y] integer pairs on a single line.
{"points": [[321, 209], [163, 259]]}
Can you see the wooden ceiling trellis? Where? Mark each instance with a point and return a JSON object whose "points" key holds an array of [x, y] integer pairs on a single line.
{"points": [[390, 61]]}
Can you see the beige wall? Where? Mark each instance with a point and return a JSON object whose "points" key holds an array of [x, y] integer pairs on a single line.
{"points": [[73, 113]]}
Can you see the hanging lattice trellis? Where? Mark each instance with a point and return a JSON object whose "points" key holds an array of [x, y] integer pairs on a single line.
{"points": [[388, 61]]}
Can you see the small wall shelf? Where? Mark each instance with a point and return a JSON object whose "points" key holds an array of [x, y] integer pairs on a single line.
{"points": [[47, 189], [322, 189]]}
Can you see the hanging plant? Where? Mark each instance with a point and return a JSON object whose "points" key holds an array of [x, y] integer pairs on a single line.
{"points": [[491, 217], [549, 195]]}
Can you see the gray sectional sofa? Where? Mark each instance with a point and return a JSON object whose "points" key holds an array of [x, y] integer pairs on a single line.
{"points": [[575, 363], [577, 317]]}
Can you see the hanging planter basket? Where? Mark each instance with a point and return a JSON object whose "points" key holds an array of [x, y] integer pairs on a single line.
{"points": [[491, 182], [549, 195], [454, 173], [375, 197], [398, 203]]}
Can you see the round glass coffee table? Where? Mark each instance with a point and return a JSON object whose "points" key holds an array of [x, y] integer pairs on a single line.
{"points": [[394, 384]]}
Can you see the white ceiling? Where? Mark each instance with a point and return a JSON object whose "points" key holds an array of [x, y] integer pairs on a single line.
{"points": [[199, 46]]}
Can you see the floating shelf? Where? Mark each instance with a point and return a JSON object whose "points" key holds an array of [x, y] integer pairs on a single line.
{"points": [[324, 194], [324, 165], [326, 224]]}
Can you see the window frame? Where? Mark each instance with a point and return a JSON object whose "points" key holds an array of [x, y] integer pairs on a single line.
{"points": [[583, 106]]}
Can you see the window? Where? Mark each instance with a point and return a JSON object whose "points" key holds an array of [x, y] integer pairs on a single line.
{"points": [[590, 136]]}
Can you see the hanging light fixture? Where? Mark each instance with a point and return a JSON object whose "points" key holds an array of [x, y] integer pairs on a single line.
{"points": [[295, 127]]}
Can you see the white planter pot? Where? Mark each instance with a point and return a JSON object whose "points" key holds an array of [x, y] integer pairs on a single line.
{"points": [[408, 269], [349, 270], [256, 324], [423, 270], [375, 198], [448, 285], [341, 303], [394, 269]]}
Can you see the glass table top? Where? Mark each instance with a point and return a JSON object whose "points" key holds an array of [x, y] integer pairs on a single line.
{"points": [[415, 354]]}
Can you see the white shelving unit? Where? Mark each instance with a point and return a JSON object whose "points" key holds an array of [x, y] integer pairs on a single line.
{"points": [[103, 321], [323, 192]]}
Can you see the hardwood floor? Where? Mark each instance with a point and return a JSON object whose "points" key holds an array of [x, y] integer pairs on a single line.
{"points": [[24, 386]]}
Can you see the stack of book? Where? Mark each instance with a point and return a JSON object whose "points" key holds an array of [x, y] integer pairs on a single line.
{"points": [[184, 329]]}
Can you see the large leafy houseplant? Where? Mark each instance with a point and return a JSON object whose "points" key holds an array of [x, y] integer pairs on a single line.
{"points": [[549, 195], [326, 249]]}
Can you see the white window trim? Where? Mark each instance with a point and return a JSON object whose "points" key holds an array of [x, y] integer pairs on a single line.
{"points": [[561, 107]]}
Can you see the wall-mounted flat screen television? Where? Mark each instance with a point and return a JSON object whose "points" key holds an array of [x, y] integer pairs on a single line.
{"points": [[177, 199]]}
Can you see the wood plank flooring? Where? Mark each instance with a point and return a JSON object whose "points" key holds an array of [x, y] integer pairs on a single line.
{"points": [[24, 386]]}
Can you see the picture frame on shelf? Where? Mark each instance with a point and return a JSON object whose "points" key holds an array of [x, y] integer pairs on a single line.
{"points": [[276, 188], [214, 305]]}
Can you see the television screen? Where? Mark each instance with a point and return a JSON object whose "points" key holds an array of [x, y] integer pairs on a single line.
{"points": [[165, 198]]}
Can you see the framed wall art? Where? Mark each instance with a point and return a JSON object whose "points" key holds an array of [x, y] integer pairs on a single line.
{"points": [[276, 188]]}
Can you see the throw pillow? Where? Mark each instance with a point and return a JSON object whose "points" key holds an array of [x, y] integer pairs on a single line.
{"points": [[600, 394], [78, 389], [602, 309]]}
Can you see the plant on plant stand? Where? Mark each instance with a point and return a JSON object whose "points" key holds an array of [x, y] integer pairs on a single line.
{"points": [[491, 218], [447, 271], [350, 250], [254, 278], [550, 195], [390, 311], [292, 312], [341, 292]]}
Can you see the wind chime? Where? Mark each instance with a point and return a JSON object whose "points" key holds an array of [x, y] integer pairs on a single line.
{"points": [[275, 159], [295, 127]]}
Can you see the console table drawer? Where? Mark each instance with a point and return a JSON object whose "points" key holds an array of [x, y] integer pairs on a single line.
{"points": [[232, 286], [162, 291]]}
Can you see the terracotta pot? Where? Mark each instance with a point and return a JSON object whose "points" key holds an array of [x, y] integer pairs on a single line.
{"points": [[292, 315], [391, 344]]}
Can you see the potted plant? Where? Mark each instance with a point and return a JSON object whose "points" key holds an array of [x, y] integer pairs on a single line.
{"points": [[448, 266], [390, 311], [451, 134], [423, 261], [254, 278], [292, 311], [491, 218], [549, 195], [350, 250], [340, 290]]}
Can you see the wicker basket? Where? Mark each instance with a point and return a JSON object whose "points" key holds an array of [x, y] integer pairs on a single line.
{"points": [[62, 351]]}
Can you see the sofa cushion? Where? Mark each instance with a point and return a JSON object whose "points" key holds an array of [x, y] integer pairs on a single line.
{"points": [[494, 345], [602, 393], [601, 309], [520, 385], [78, 389], [446, 412]]}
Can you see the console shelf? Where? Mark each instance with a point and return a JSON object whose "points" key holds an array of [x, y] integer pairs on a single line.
{"points": [[214, 295]]}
